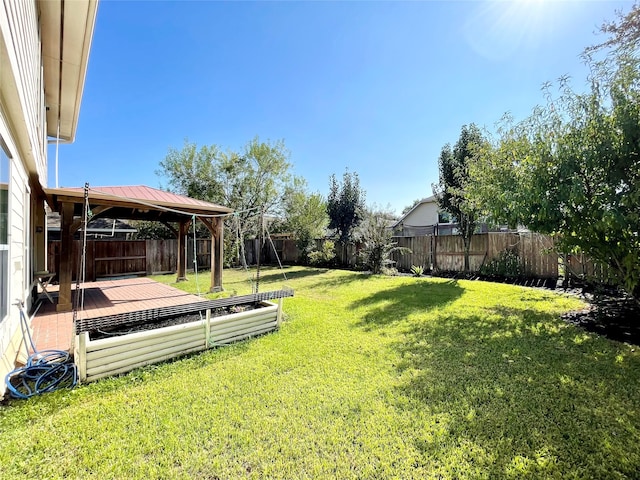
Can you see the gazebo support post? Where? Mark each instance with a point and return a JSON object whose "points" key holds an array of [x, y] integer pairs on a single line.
{"points": [[182, 251], [66, 258], [216, 228], [217, 256]]}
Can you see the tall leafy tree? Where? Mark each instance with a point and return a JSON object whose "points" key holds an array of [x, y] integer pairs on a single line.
{"points": [[572, 169], [305, 215], [191, 171], [451, 190], [345, 205], [251, 181], [254, 182]]}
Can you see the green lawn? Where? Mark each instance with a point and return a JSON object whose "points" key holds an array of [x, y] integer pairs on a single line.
{"points": [[369, 377]]}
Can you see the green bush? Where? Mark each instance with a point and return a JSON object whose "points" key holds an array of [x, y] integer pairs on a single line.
{"points": [[323, 256], [506, 265], [417, 270]]}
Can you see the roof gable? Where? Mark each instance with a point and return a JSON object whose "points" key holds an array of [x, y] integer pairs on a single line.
{"points": [[431, 199]]}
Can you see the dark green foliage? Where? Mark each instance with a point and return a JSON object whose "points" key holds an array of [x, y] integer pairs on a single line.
{"points": [[147, 230], [506, 265], [305, 216], [324, 256], [572, 169], [451, 190], [345, 205]]}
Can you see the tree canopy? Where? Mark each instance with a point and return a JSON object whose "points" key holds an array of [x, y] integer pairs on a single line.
{"points": [[305, 215], [252, 182], [572, 168], [451, 190], [345, 205]]}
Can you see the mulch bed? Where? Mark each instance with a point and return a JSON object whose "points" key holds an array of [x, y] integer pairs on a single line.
{"points": [[616, 317]]}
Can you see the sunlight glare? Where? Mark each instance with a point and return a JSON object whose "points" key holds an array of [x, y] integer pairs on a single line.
{"points": [[497, 30]]}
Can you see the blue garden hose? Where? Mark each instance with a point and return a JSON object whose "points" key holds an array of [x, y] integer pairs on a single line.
{"points": [[45, 371]]}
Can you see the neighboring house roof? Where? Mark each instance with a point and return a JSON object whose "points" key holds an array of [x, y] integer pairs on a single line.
{"points": [[65, 56], [137, 202], [95, 225], [431, 199]]}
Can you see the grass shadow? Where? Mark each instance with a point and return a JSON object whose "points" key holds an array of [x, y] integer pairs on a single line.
{"points": [[274, 274], [396, 304], [344, 278], [525, 392]]}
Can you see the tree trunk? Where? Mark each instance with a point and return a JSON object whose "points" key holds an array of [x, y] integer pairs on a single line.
{"points": [[467, 246]]}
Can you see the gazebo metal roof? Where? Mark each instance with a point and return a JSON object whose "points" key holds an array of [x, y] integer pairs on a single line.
{"points": [[137, 202]]}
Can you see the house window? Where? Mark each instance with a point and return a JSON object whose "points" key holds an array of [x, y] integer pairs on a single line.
{"points": [[444, 217], [4, 234]]}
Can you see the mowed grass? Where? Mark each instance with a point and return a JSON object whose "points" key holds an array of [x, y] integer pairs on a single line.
{"points": [[369, 377]]}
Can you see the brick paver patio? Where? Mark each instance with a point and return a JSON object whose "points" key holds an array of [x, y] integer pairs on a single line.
{"points": [[53, 330]]}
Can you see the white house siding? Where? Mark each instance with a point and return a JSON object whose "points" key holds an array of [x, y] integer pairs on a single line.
{"points": [[19, 252], [419, 221], [23, 133], [19, 270], [424, 214], [21, 38]]}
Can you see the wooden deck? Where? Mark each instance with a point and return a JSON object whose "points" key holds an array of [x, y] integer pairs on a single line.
{"points": [[53, 330]]}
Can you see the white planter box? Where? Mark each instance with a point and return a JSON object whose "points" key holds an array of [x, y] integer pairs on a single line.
{"points": [[105, 357]]}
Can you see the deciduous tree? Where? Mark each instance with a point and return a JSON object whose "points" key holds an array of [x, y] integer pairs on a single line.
{"points": [[345, 205], [251, 181], [572, 169], [305, 215], [451, 190]]}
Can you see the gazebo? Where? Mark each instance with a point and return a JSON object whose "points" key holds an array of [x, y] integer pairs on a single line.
{"points": [[134, 203]]}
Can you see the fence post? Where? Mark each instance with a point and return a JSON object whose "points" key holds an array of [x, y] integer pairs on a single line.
{"points": [[434, 253]]}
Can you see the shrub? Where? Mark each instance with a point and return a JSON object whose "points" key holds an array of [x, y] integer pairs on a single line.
{"points": [[325, 255], [378, 244], [417, 270], [506, 265], [389, 271]]}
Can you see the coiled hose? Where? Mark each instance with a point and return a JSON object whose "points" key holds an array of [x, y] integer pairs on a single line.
{"points": [[45, 371]]}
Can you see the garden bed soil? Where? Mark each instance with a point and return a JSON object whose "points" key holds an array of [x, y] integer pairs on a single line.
{"points": [[127, 328]]}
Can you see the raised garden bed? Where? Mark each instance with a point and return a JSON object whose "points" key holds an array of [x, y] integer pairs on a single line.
{"points": [[111, 346]]}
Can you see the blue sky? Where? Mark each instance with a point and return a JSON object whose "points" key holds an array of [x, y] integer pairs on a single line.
{"points": [[375, 87]]}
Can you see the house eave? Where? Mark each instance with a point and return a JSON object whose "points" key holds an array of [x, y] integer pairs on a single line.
{"points": [[66, 31]]}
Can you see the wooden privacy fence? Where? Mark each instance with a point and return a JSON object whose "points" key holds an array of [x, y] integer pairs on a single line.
{"points": [[446, 252], [109, 258], [579, 266], [437, 252], [288, 252]]}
